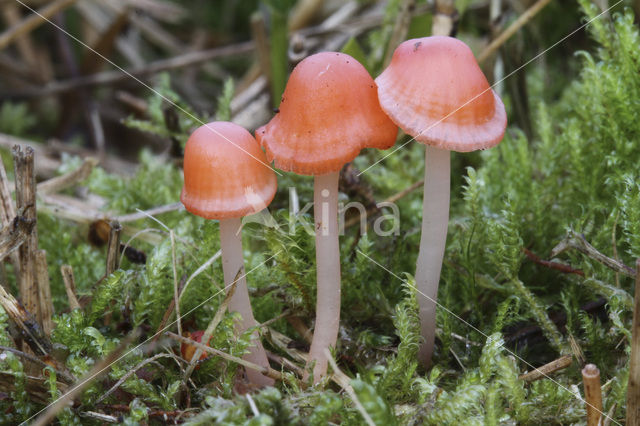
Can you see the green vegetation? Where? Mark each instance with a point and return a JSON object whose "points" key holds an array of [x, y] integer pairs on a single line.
{"points": [[577, 174]]}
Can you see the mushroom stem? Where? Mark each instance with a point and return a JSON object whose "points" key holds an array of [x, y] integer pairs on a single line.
{"points": [[232, 263], [435, 219], [325, 210]]}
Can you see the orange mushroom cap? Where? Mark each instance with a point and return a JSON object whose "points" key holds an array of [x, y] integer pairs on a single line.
{"points": [[187, 351], [435, 91], [225, 173], [328, 113]]}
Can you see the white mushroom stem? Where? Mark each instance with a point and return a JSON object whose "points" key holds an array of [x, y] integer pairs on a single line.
{"points": [[435, 219], [232, 263], [325, 210]]}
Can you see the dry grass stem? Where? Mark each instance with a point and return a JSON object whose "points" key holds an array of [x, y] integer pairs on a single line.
{"points": [[547, 369], [70, 286], [25, 323], [633, 387], [344, 381], [26, 203], [400, 28], [44, 289], [512, 29], [592, 394], [113, 248], [32, 21], [578, 242], [68, 180], [130, 373], [14, 235], [269, 372]]}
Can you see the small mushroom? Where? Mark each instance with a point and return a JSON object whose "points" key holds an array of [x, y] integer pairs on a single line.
{"points": [[226, 177], [329, 112], [188, 351], [435, 91]]}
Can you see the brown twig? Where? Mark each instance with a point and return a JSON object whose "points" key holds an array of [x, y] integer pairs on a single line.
{"points": [[263, 50], [44, 291], [70, 286], [299, 326], [633, 387], [33, 21], [161, 10], [512, 29], [117, 76], [400, 29], [286, 344], [592, 394], [286, 363], [13, 235], [267, 371], [68, 180], [12, 16], [303, 12], [547, 369], [48, 156], [25, 323], [113, 248], [7, 209], [132, 217], [98, 370], [130, 373], [7, 214], [578, 242], [552, 265], [26, 203], [32, 358]]}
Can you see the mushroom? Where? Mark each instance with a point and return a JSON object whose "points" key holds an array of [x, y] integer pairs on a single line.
{"points": [[226, 177], [328, 113], [435, 91], [188, 351]]}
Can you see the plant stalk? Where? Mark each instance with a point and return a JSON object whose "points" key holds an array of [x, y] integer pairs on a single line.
{"points": [[435, 219], [325, 209], [633, 386], [232, 263], [592, 394]]}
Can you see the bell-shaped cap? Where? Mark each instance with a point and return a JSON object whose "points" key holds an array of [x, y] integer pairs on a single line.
{"points": [[328, 113], [435, 91], [226, 174]]}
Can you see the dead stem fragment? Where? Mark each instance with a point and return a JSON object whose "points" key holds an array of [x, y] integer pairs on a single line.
{"points": [[547, 369], [269, 372], [44, 289], [25, 324], [576, 241], [33, 21], [592, 394], [113, 247], [70, 286], [26, 203], [12, 236], [633, 389], [59, 183]]}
